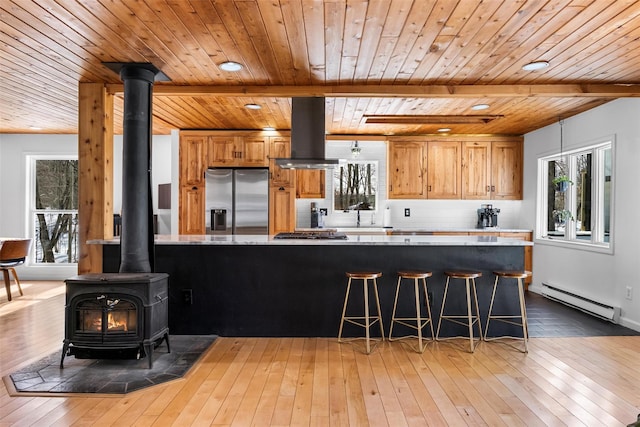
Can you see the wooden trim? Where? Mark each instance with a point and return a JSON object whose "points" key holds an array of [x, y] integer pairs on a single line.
{"points": [[408, 91], [95, 173]]}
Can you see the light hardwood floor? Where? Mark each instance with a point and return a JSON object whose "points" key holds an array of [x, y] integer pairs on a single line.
{"points": [[316, 381]]}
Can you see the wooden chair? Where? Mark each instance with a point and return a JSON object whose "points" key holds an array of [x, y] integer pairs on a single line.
{"points": [[12, 254]]}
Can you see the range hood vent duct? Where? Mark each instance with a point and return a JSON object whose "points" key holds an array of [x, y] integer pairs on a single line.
{"points": [[307, 136]]}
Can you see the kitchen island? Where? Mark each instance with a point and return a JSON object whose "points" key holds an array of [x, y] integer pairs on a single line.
{"points": [[261, 286]]}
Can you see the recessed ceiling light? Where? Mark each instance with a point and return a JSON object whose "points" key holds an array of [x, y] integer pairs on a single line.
{"points": [[536, 65], [480, 107], [444, 129], [268, 128], [252, 106], [230, 66]]}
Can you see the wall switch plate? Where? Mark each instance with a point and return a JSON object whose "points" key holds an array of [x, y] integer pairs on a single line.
{"points": [[629, 294], [407, 212]]}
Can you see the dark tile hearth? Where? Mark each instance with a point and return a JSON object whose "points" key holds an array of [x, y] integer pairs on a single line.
{"points": [[548, 318], [112, 376]]}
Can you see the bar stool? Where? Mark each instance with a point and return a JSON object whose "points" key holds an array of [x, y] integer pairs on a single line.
{"points": [[419, 320], [518, 275], [368, 320], [470, 284]]}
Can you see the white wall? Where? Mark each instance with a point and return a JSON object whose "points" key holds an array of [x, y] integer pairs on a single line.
{"points": [[14, 150], [444, 214], [603, 277]]}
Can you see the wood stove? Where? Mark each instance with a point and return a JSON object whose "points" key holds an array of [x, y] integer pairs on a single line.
{"points": [[116, 315], [111, 314]]}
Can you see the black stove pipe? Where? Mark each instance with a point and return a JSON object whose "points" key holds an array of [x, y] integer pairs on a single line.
{"points": [[137, 238]]}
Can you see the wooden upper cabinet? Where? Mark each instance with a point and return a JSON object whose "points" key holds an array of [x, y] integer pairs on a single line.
{"points": [[407, 160], [506, 170], [247, 151], [443, 170], [280, 148], [193, 159], [222, 150], [310, 184], [254, 151], [438, 168], [476, 170]]}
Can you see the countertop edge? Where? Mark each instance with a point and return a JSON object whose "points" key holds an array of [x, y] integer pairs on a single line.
{"points": [[369, 240]]}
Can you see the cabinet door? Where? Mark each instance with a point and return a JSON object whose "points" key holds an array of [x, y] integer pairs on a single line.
{"points": [[223, 151], [191, 211], [506, 170], [443, 170], [407, 161], [280, 148], [192, 159], [476, 167], [282, 210], [254, 151], [310, 184]]}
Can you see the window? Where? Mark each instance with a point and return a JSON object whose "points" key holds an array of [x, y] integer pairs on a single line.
{"points": [[54, 210], [355, 185], [575, 196]]}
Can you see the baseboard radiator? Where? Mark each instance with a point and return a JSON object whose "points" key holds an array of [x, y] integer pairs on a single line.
{"points": [[595, 308]]}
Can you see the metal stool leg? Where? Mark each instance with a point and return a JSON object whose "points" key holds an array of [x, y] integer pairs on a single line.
{"points": [[395, 306], [523, 315], [375, 288], [475, 298], [366, 316], [493, 296], [444, 301], [344, 310], [426, 296]]}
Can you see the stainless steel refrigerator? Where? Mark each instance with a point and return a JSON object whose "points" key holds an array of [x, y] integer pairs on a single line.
{"points": [[237, 201]]}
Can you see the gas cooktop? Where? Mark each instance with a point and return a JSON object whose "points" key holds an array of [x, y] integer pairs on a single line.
{"points": [[320, 235]]}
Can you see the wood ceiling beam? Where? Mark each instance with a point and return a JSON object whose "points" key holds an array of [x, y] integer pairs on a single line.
{"points": [[403, 91]]}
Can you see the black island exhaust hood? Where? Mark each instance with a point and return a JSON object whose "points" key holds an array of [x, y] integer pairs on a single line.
{"points": [[307, 136]]}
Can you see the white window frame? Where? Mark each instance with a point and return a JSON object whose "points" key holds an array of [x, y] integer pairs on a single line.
{"points": [[31, 209], [597, 242]]}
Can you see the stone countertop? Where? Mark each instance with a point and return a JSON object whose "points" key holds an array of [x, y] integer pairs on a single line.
{"points": [[457, 230], [369, 240]]}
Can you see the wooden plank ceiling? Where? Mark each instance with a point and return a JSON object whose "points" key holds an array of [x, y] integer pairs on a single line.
{"points": [[369, 58]]}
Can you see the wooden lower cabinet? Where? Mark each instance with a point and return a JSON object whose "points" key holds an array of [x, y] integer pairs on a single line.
{"points": [[191, 211], [282, 210]]}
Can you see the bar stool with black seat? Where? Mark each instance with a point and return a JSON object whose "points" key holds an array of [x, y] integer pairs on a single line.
{"points": [[418, 322], [367, 320], [518, 275], [470, 319]]}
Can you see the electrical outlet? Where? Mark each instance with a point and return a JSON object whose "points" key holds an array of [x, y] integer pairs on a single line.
{"points": [[187, 296], [407, 212], [629, 294]]}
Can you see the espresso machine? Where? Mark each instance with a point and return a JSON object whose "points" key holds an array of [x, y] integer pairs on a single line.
{"points": [[487, 216]]}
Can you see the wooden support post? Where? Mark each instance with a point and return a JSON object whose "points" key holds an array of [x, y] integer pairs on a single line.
{"points": [[95, 181]]}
